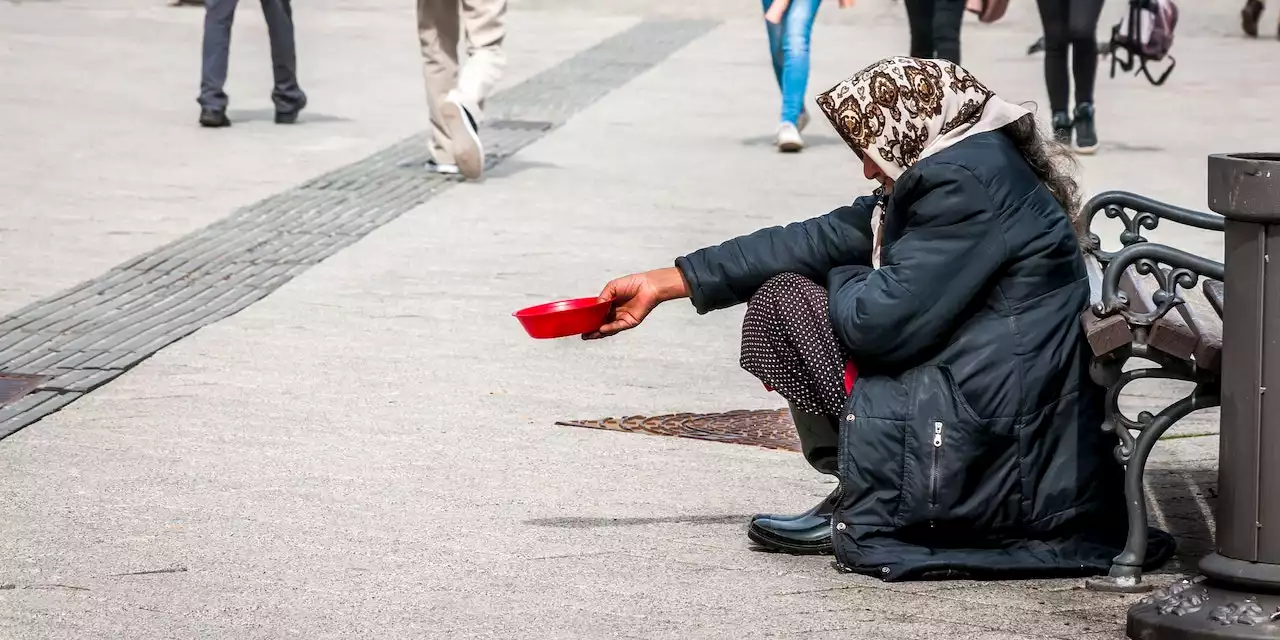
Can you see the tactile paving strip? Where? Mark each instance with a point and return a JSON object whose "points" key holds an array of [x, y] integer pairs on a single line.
{"points": [[766, 428], [85, 337]]}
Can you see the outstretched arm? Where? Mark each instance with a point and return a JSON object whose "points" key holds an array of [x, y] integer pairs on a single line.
{"points": [[728, 274], [724, 275]]}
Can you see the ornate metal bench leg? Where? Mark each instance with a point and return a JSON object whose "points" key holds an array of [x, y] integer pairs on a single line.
{"points": [[1126, 569]]}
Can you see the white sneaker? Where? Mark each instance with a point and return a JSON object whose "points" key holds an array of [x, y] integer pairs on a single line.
{"points": [[467, 150], [445, 169], [802, 121], [789, 140]]}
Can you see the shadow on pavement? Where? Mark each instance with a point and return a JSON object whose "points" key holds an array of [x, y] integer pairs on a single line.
{"points": [[1181, 501], [269, 115], [511, 166], [587, 523], [809, 141]]}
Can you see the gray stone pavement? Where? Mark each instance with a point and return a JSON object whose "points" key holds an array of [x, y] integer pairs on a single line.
{"points": [[370, 449]]}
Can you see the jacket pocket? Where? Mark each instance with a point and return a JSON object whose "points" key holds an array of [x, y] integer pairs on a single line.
{"points": [[966, 474], [874, 439]]}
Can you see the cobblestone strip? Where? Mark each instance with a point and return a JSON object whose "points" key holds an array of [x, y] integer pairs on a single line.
{"points": [[86, 336]]}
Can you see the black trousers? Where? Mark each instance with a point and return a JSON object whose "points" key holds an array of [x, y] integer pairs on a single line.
{"points": [[935, 28], [1074, 24], [218, 16]]}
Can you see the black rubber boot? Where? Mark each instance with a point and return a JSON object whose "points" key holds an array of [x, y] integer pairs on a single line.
{"points": [[802, 534], [1062, 127], [1086, 134], [808, 532]]}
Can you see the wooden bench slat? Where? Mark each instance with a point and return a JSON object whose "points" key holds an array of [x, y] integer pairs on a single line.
{"points": [[1213, 291], [1105, 335], [1200, 314], [1190, 332], [1171, 333]]}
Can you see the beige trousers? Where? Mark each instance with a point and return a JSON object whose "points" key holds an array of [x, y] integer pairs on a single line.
{"points": [[441, 24]]}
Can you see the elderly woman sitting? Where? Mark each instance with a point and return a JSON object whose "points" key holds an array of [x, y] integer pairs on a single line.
{"points": [[970, 442]]}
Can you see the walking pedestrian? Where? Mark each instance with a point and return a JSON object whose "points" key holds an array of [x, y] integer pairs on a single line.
{"points": [[287, 95], [789, 26], [1073, 24], [935, 28], [456, 93]]}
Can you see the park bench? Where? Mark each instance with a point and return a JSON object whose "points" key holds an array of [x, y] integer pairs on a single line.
{"points": [[1160, 308]]}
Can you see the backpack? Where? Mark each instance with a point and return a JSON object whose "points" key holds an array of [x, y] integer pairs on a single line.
{"points": [[987, 10], [1145, 35]]}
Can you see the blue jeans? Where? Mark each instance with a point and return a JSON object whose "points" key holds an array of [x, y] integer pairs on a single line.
{"points": [[789, 48]]}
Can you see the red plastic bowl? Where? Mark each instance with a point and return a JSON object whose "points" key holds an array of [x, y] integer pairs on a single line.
{"points": [[563, 318]]}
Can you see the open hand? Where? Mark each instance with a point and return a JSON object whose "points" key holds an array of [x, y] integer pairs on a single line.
{"points": [[636, 295]]}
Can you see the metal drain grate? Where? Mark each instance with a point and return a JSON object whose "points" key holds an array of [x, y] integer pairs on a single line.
{"points": [[16, 385], [766, 428]]}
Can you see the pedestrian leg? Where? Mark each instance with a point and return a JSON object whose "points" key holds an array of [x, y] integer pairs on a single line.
{"points": [[485, 23], [1054, 15], [1082, 28], [920, 23], [463, 109], [1082, 31], [218, 17], [1249, 16], [948, 16], [287, 95], [774, 33], [438, 33], [797, 27]]}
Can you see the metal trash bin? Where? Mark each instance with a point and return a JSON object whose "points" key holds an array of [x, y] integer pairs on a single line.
{"points": [[1238, 595]]}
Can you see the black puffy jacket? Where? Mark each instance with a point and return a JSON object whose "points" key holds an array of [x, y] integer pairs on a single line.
{"points": [[972, 442]]}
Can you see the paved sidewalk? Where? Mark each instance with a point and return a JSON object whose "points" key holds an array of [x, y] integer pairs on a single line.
{"points": [[370, 450]]}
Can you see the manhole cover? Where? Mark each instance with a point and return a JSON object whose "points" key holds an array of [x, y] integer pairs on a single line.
{"points": [[16, 385], [767, 428]]}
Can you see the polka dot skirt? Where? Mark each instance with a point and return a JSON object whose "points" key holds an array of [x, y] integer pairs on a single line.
{"points": [[789, 344]]}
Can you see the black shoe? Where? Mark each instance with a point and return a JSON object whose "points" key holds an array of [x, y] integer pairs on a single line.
{"points": [[214, 118], [1062, 127], [1249, 17], [290, 116], [806, 533], [1086, 135]]}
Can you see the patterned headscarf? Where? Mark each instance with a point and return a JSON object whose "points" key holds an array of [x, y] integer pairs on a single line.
{"points": [[901, 110]]}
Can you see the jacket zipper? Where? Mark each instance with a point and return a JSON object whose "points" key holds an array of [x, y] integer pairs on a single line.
{"points": [[933, 471], [839, 496]]}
